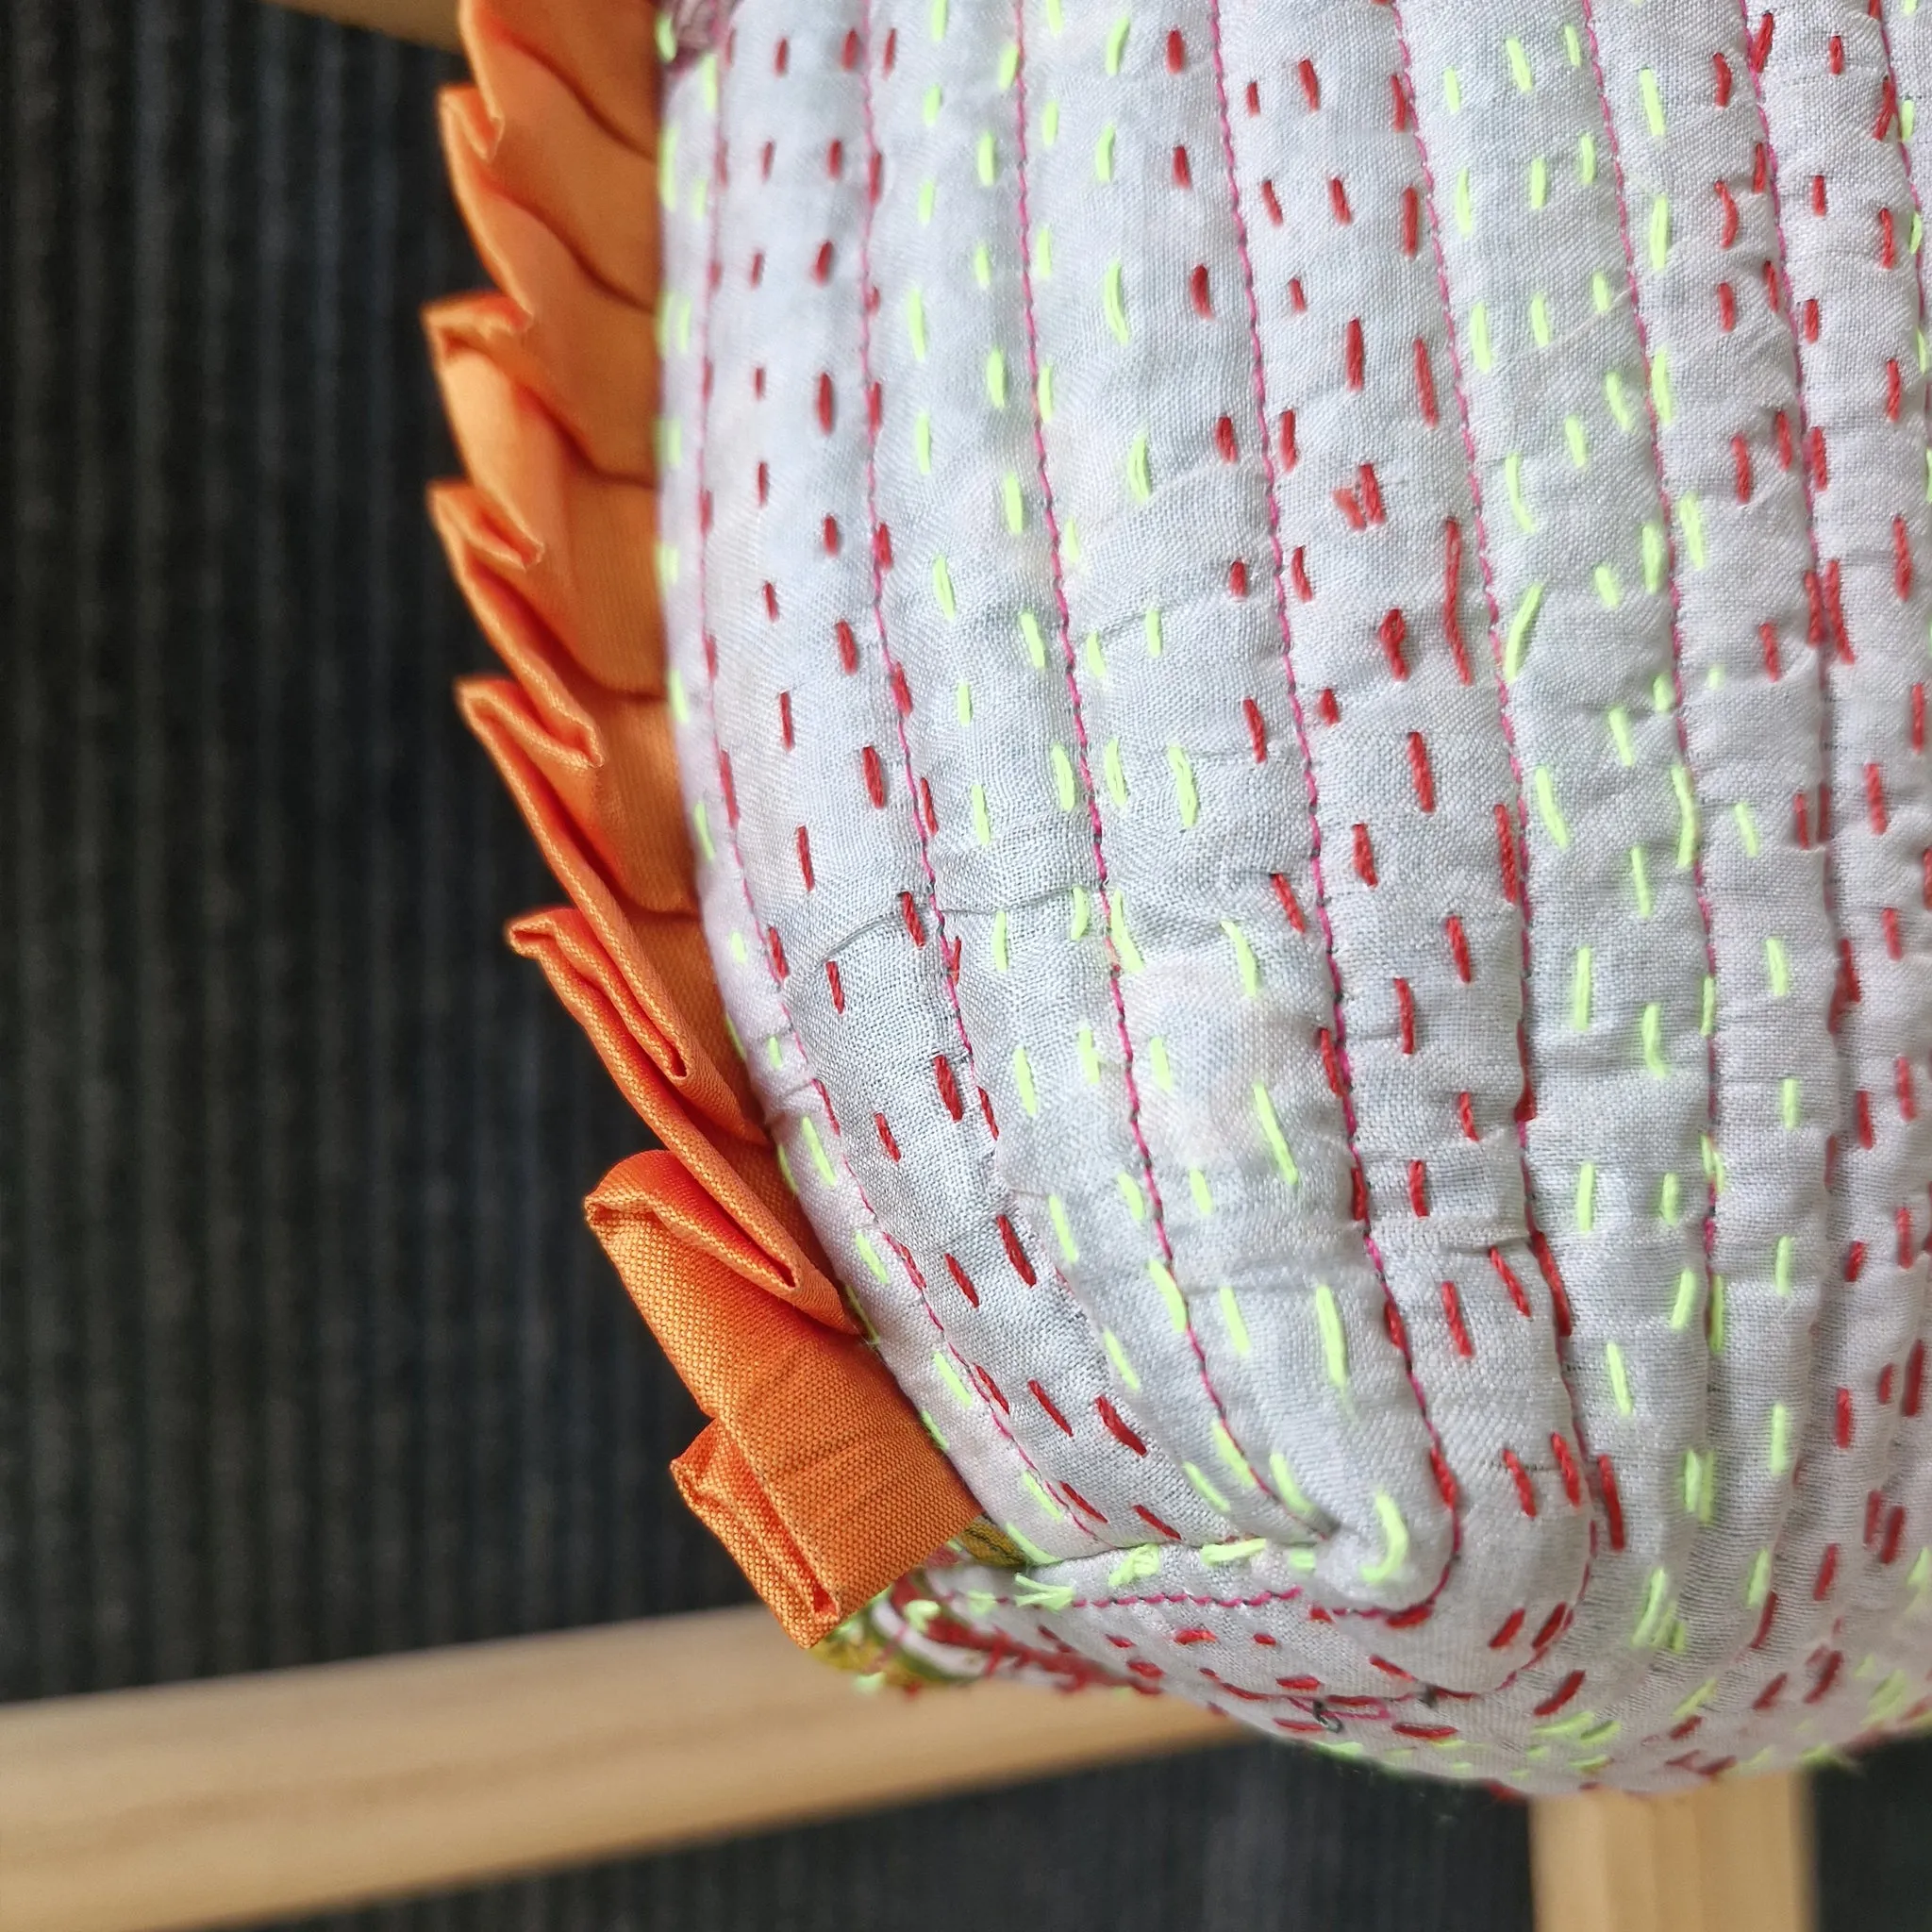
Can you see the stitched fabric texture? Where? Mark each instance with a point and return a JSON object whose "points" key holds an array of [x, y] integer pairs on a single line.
{"points": [[1297, 650]]}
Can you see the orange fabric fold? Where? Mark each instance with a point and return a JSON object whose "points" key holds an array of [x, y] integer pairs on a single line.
{"points": [[814, 1471], [742, 1176], [812, 1445], [541, 147]]}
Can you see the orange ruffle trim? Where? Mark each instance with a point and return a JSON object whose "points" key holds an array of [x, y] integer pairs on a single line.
{"points": [[814, 1471]]}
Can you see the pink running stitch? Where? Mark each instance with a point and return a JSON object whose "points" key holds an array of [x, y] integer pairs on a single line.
{"points": [[713, 267], [1064, 616], [1346, 1082]]}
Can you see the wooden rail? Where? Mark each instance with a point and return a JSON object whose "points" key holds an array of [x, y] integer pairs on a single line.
{"points": [[248, 1798]]}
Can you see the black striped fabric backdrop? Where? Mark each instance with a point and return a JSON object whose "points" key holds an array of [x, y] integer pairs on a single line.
{"points": [[303, 1351]]}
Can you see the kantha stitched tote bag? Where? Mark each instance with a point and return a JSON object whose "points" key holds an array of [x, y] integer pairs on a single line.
{"points": [[1232, 698]]}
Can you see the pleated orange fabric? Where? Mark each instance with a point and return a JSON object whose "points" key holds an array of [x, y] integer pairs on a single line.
{"points": [[814, 1472]]}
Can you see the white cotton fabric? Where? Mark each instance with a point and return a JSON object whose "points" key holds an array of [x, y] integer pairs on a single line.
{"points": [[1299, 639]]}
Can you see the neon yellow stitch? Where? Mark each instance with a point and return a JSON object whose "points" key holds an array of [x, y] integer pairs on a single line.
{"points": [[987, 160], [1547, 807], [775, 1053], [1778, 1456], [982, 818], [1693, 1482], [915, 320], [1480, 343], [1063, 1229], [739, 951], [1685, 1303], [1157, 1060], [950, 1376], [1023, 1080], [1233, 1552], [1690, 514], [1586, 159], [1608, 588], [1210, 1494], [1132, 1195], [1186, 794], [1286, 1486], [701, 824], [1114, 300], [1062, 776], [816, 1148], [1465, 203], [1116, 772], [1029, 1591], [1452, 90], [1044, 1498], [1619, 720], [1653, 102], [1136, 1563], [1639, 881], [1758, 1581], [1103, 155], [1586, 1197], [1010, 64], [1660, 392], [1663, 699], [1512, 484], [1707, 1016], [1687, 816], [1151, 626], [1334, 1342], [869, 1255], [1539, 320], [1053, 22], [982, 266], [1790, 1108], [1581, 981], [1238, 1337], [1519, 65], [1782, 1254], [1118, 1356], [1043, 388], [1619, 402], [1117, 42], [1655, 555], [943, 588], [1516, 642], [1394, 1539], [785, 1172], [1620, 1380], [1655, 1607], [1139, 480], [1230, 1451], [1539, 182], [1123, 938], [1050, 123], [1245, 957], [1089, 1055], [935, 100], [1278, 1140], [1014, 502], [922, 442], [1077, 916], [928, 198], [1777, 968], [1197, 1186], [667, 166], [939, 19]]}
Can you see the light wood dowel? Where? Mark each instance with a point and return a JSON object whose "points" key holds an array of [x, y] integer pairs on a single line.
{"points": [[433, 22], [252, 1797], [1732, 1858]]}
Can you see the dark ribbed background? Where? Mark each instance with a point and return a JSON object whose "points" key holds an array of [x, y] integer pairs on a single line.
{"points": [[304, 1351]]}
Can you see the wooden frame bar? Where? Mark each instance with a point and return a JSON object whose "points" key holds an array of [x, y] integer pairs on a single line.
{"points": [[248, 1798]]}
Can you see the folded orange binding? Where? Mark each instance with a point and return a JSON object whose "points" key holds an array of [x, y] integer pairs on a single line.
{"points": [[814, 1472]]}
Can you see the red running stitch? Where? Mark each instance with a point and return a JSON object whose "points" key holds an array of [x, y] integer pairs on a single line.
{"points": [[1514, 840], [700, 456], [1157, 1210]]}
